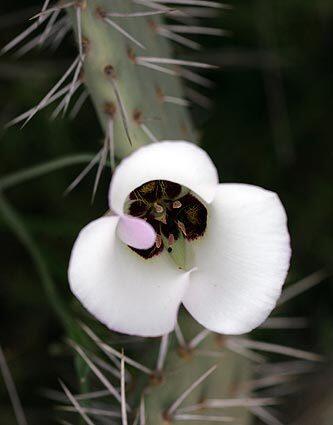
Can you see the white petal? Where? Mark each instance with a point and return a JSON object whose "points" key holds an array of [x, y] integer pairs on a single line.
{"points": [[179, 162], [136, 232], [242, 260], [124, 291]]}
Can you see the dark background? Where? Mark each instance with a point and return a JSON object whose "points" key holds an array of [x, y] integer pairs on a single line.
{"points": [[270, 125]]}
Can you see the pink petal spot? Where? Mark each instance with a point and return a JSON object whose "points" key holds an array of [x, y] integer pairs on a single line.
{"points": [[136, 232]]}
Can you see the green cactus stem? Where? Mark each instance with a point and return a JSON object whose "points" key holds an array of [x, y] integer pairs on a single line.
{"points": [[144, 104]]}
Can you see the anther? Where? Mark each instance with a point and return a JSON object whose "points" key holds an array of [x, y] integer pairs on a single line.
{"points": [[161, 218], [158, 208], [158, 242], [171, 239], [176, 204], [181, 227]]}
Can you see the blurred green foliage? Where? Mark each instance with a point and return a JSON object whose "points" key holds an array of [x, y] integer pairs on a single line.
{"points": [[271, 125]]}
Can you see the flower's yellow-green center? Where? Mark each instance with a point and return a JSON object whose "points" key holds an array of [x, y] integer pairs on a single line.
{"points": [[174, 212]]}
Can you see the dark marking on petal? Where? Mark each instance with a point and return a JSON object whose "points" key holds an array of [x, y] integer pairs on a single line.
{"points": [[149, 192], [192, 216], [170, 190], [138, 209], [149, 253]]}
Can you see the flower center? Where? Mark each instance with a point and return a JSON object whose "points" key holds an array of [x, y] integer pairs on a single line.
{"points": [[173, 211]]}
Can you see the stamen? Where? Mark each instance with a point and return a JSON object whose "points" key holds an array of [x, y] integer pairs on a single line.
{"points": [[171, 239], [158, 208], [176, 204], [162, 219], [182, 227], [158, 241]]}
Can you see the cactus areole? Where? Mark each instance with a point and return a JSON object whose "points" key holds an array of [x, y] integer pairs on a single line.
{"points": [[176, 236]]}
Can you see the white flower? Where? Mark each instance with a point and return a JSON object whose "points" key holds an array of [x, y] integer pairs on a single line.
{"points": [[229, 244]]}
